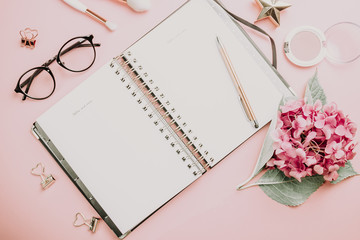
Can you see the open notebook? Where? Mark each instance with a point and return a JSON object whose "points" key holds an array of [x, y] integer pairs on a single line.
{"points": [[158, 116]]}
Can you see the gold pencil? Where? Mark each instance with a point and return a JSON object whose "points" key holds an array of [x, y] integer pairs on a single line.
{"points": [[242, 96]]}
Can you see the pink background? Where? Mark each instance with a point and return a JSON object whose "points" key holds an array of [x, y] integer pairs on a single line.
{"points": [[210, 208]]}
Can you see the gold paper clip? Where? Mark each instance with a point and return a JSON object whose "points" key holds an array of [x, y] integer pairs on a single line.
{"points": [[91, 223], [46, 181]]}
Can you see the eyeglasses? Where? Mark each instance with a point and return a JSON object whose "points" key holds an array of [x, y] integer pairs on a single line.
{"points": [[42, 80]]}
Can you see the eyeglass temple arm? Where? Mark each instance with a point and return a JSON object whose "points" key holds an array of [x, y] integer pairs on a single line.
{"points": [[29, 80]]}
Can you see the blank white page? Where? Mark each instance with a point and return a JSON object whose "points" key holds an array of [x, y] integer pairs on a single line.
{"points": [[115, 149], [182, 58]]}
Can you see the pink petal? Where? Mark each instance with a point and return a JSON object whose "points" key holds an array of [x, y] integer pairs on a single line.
{"points": [[319, 169], [351, 130], [279, 151], [297, 175], [286, 172], [300, 152], [279, 163], [348, 134], [279, 135], [309, 171], [339, 154], [281, 154], [309, 137], [297, 133], [310, 161], [320, 121], [301, 122], [317, 105], [330, 108], [286, 121], [340, 130], [320, 135], [307, 110], [334, 167], [292, 106], [350, 155], [329, 149], [327, 130], [270, 163], [340, 114], [352, 127], [331, 176], [350, 146], [331, 120], [288, 148]]}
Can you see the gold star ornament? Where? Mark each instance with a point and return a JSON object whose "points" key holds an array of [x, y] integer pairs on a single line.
{"points": [[271, 9]]}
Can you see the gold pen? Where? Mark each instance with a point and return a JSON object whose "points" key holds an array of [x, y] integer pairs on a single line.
{"points": [[243, 99]]}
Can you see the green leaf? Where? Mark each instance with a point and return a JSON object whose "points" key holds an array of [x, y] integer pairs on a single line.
{"points": [[288, 191], [314, 91], [267, 148], [345, 172]]}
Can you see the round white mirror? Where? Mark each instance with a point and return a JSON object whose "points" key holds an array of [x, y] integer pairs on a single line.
{"points": [[307, 46]]}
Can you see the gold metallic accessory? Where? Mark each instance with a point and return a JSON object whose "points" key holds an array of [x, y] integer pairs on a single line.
{"points": [[46, 181], [271, 9], [28, 37], [81, 220]]}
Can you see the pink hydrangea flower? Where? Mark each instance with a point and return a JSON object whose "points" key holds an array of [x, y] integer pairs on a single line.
{"points": [[311, 140]]}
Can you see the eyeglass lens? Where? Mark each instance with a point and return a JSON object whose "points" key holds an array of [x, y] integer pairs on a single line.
{"points": [[77, 54], [42, 83]]}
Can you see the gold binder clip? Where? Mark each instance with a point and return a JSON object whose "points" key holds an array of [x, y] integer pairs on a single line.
{"points": [[28, 37], [46, 181], [91, 223]]}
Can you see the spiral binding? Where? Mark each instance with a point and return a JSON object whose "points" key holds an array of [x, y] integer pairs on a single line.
{"points": [[161, 112]]}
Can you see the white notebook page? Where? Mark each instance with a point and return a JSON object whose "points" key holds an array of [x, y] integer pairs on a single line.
{"points": [[115, 149], [183, 59]]}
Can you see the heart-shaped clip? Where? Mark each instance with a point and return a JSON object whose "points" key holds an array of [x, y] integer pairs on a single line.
{"points": [[39, 170], [28, 37], [81, 220]]}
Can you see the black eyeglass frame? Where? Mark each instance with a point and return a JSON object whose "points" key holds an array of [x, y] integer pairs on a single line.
{"points": [[44, 67]]}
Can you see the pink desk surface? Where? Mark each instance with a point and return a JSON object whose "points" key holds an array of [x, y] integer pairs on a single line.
{"points": [[210, 208]]}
